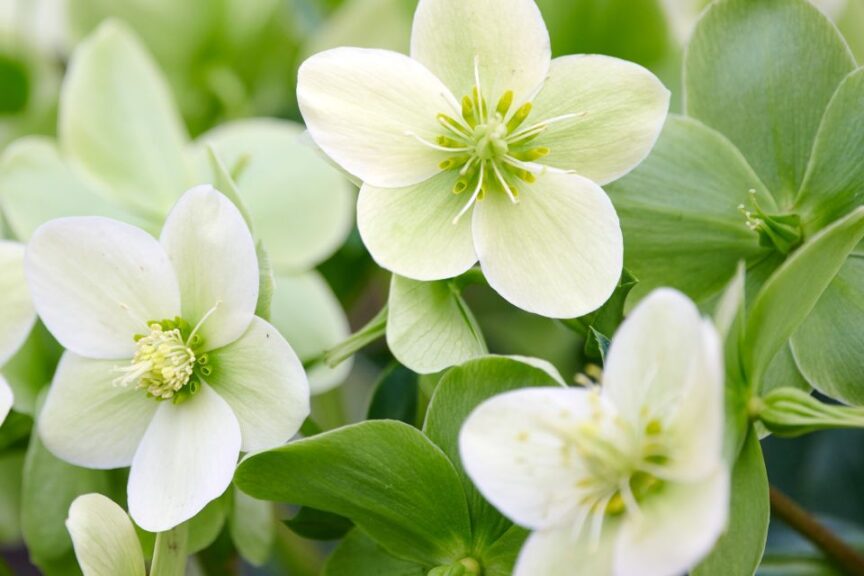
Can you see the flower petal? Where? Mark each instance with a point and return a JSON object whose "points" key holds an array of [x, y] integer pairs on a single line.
{"points": [[186, 459], [6, 399], [17, 315], [89, 421], [513, 453], [97, 282], [410, 231], [677, 528], [557, 253], [118, 121], [301, 207], [261, 378], [361, 107], [665, 363], [309, 316], [103, 537], [619, 110], [562, 552], [508, 38], [213, 253]]}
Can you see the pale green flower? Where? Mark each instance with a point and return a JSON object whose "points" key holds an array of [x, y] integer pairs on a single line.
{"points": [[167, 368], [628, 479], [17, 315], [103, 537], [122, 152], [481, 112]]}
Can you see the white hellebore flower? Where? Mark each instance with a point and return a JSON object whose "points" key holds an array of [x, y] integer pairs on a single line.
{"points": [[167, 367], [17, 315], [628, 480], [480, 119], [103, 537]]}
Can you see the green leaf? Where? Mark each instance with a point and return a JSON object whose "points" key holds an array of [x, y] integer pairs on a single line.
{"points": [[50, 486], [252, 527], [319, 525], [762, 73], [680, 213], [429, 326], [793, 291], [828, 344], [461, 390], [385, 476], [834, 182], [499, 558], [224, 182], [266, 283], [395, 396], [30, 370], [740, 549], [11, 469], [358, 555]]}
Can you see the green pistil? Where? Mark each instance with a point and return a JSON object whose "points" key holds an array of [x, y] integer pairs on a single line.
{"points": [[780, 231]]}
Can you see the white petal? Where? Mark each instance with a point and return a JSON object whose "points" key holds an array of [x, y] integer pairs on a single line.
{"points": [[186, 460], [104, 539], [562, 552], [678, 527], [301, 207], [118, 121], [17, 315], [89, 421], [558, 252], [508, 37], [309, 316], [512, 448], [213, 254], [6, 399], [665, 363], [261, 378], [97, 282], [361, 107], [620, 108], [410, 231]]}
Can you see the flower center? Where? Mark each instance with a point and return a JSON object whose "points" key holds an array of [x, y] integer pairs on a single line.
{"points": [[489, 148], [167, 363], [782, 232]]}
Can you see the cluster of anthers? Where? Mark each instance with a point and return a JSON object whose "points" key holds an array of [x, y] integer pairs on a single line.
{"points": [[489, 147]]}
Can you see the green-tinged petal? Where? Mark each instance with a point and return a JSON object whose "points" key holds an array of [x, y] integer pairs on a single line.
{"points": [[253, 527], [17, 315], [558, 252], [214, 256], [762, 73], [308, 315], [834, 182], [617, 108], [411, 231], [680, 211], [508, 38], [513, 451], [37, 185], [678, 527], [118, 121], [367, 108], [89, 421], [430, 327], [262, 380], [665, 364], [104, 538], [301, 207], [828, 345], [96, 283], [6, 399], [562, 551], [185, 460]]}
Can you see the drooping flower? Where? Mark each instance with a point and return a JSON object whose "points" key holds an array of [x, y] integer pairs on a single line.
{"points": [[167, 368], [16, 313], [625, 480], [479, 146]]}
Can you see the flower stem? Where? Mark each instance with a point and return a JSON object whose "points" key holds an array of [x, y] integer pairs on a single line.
{"points": [[169, 554], [838, 552], [373, 330]]}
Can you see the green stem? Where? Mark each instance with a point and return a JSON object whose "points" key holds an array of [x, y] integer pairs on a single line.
{"points": [[838, 552], [373, 330], [169, 554]]}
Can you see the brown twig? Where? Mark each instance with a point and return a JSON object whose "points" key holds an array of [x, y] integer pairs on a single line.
{"points": [[838, 552]]}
